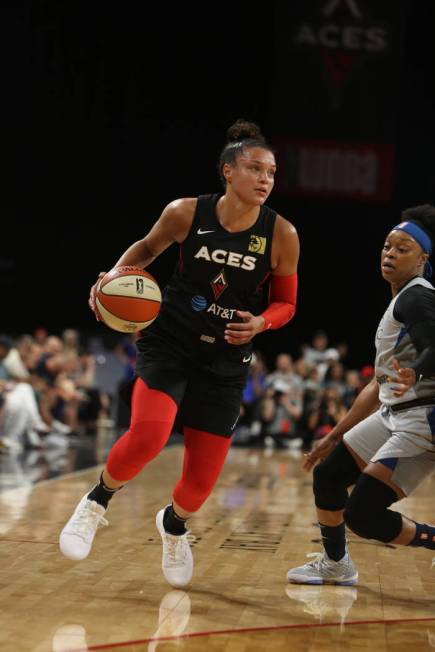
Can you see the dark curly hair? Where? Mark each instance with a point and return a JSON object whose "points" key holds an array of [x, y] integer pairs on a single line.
{"points": [[424, 217], [240, 135]]}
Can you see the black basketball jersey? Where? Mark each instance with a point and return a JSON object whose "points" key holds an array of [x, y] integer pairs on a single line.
{"points": [[218, 273]]}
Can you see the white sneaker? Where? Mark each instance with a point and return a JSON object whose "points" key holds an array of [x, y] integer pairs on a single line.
{"points": [[177, 559], [76, 538]]}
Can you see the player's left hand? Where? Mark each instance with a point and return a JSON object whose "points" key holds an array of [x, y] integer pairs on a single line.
{"points": [[406, 377], [243, 332]]}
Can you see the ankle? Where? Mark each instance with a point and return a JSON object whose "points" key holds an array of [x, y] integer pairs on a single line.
{"points": [[173, 523], [106, 482], [334, 540], [102, 494]]}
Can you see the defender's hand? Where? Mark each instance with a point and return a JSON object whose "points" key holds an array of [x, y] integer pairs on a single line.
{"points": [[320, 450], [406, 377], [243, 332]]}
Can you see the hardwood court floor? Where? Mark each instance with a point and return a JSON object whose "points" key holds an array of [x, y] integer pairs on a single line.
{"points": [[257, 524]]}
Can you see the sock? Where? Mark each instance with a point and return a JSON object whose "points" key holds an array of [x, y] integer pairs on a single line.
{"points": [[102, 494], [334, 540], [424, 536], [173, 523]]}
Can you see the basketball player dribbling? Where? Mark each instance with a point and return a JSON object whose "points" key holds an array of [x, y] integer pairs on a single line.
{"points": [[385, 444], [193, 359]]}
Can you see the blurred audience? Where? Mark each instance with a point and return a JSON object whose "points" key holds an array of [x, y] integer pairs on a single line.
{"points": [[53, 388], [298, 401], [49, 391]]}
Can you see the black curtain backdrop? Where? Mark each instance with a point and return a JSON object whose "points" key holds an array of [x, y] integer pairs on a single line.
{"points": [[109, 111]]}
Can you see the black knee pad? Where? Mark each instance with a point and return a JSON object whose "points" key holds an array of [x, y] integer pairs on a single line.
{"points": [[367, 512], [332, 477]]}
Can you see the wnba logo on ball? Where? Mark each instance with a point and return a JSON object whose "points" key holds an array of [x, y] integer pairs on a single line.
{"points": [[198, 303], [139, 286]]}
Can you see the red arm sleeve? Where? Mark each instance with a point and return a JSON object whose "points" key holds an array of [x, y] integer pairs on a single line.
{"points": [[282, 301]]}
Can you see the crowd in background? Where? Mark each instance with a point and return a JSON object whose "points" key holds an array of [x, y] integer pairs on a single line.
{"points": [[53, 389], [299, 400]]}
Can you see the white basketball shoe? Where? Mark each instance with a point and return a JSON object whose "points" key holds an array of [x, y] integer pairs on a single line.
{"points": [[177, 559], [75, 540]]}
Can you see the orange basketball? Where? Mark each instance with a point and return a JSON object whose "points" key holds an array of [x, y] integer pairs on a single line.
{"points": [[128, 299]]}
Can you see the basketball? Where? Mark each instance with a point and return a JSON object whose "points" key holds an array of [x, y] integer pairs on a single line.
{"points": [[128, 299]]}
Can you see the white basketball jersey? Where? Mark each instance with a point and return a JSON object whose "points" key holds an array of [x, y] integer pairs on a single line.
{"points": [[393, 341]]}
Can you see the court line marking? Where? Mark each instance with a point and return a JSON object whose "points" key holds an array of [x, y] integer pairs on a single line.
{"points": [[242, 630], [245, 630], [50, 543]]}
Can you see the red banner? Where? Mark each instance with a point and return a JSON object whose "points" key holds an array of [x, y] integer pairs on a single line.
{"points": [[335, 170]]}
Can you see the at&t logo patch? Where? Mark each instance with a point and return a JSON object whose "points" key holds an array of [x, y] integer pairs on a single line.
{"points": [[198, 303]]}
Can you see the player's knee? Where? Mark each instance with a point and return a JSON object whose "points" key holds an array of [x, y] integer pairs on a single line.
{"points": [[198, 488], [147, 438], [138, 446], [367, 513], [332, 477], [360, 518]]}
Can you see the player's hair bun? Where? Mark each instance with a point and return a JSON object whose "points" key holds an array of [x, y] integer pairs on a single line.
{"points": [[244, 130]]}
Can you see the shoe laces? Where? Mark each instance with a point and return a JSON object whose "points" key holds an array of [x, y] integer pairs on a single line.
{"points": [[176, 547], [318, 560], [88, 519]]}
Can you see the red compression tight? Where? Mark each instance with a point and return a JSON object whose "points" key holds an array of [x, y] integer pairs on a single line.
{"points": [[204, 457], [152, 417]]}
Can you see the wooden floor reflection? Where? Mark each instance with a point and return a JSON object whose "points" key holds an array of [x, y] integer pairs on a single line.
{"points": [[259, 522]]}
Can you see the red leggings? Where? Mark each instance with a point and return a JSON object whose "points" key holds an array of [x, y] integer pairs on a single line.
{"points": [[152, 418]]}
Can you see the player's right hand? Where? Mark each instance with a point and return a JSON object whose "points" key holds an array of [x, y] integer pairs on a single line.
{"points": [[320, 450], [92, 296]]}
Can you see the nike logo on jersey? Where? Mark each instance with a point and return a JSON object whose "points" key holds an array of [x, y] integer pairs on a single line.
{"points": [[227, 258], [201, 232], [247, 358]]}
